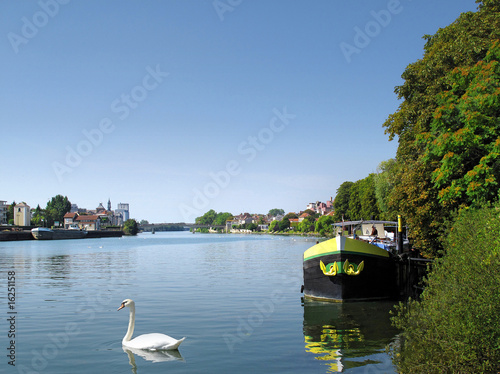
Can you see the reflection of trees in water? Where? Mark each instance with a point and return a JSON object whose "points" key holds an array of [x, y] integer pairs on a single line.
{"points": [[342, 334]]}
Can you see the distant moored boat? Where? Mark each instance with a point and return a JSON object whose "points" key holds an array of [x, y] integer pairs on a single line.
{"points": [[43, 233]]}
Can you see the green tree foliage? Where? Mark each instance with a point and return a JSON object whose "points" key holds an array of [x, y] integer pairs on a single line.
{"points": [[384, 181], [357, 200], [465, 283], [355, 207], [324, 226], [284, 224], [276, 212], [131, 227], [307, 224], [369, 206], [341, 203], [252, 227], [438, 124], [56, 208], [207, 219], [464, 140], [38, 218], [274, 226], [10, 213], [213, 218], [492, 5], [221, 218]]}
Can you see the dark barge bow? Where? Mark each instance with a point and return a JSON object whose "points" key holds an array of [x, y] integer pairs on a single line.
{"points": [[347, 269]]}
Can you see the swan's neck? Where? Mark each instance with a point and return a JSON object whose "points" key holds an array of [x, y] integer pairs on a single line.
{"points": [[131, 324]]}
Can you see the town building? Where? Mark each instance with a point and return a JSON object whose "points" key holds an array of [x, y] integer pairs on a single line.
{"points": [[100, 209], [320, 207], [88, 222], [70, 220], [279, 217], [303, 216], [3, 212], [242, 219], [123, 209], [22, 215]]}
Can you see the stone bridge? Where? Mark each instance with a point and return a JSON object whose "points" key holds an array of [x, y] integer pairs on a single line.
{"points": [[160, 226]]}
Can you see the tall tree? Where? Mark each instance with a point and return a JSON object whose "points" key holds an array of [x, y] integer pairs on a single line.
{"points": [[369, 205], [38, 216], [10, 213], [56, 208], [341, 203], [384, 184], [207, 219], [362, 200], [435, 107], [464, 140], [355, 201]]}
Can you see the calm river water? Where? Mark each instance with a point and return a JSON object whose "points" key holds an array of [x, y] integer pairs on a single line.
{"points": [[236, 299]]}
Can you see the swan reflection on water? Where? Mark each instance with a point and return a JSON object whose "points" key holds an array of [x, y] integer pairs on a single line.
{"points": [[153, 356]]}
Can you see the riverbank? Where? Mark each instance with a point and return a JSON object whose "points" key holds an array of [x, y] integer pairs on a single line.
{"points": [[8, 235], [16, 235], [280, 233]]}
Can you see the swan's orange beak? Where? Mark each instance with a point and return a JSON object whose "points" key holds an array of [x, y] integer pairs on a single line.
{"points": [[121, 306]]}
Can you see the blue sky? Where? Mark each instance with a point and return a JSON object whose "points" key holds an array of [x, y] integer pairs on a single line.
{"points": [[178, 107]]}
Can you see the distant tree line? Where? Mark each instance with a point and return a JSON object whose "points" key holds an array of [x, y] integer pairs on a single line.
{"points": [[367, 198]]}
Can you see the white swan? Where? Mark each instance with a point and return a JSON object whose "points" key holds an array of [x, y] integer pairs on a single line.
{"points": [[152, 342]]}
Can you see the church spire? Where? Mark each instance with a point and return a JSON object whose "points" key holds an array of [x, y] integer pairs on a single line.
{"points": [[109, 205]]}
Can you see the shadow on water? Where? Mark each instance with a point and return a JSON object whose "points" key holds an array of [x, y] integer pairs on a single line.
{"points": [[349, 335]]}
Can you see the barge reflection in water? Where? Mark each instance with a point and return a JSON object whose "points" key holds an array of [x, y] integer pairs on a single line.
{"points": [[349, 335]]}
